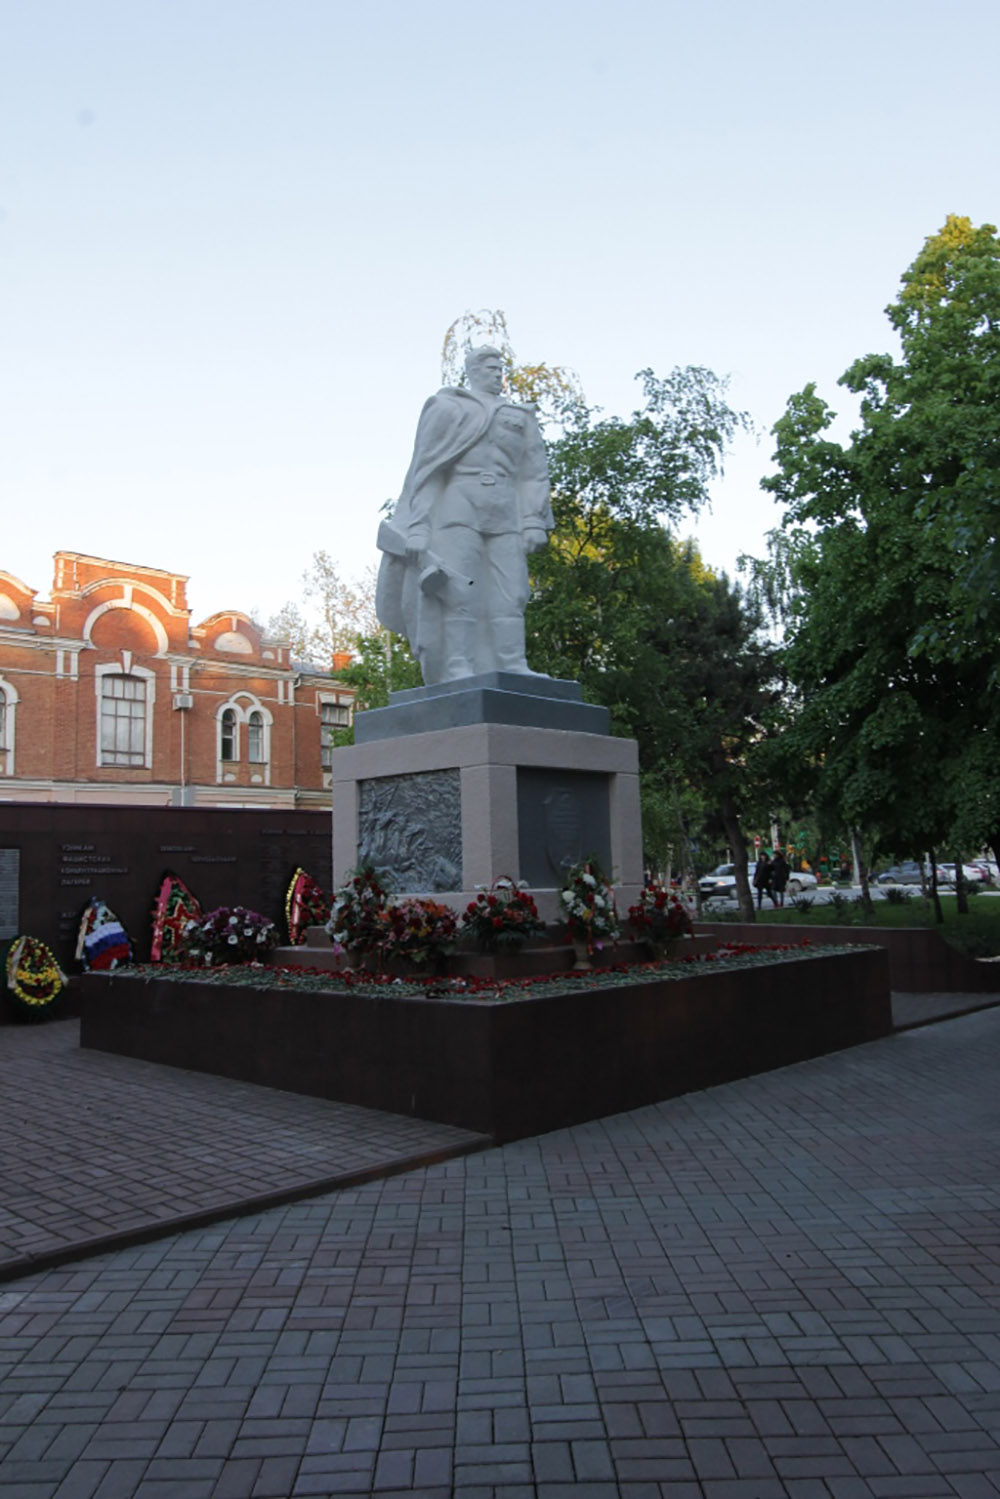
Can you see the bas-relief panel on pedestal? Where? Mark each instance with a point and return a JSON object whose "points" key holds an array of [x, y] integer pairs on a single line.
{"points": [[410, 829]]}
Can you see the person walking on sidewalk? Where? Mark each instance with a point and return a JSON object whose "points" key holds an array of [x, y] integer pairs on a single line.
{"points": [[762, 878], [779, 879]]}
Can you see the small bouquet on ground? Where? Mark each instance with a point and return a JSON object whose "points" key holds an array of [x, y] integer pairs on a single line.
{"points": [[230, 934], [355, 924], [659, 919], [421, 930], [502, 916], [588, 903]]}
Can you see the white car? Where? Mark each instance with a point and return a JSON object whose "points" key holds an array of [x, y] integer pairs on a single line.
{"points": [[722, 882], [973, 874]]}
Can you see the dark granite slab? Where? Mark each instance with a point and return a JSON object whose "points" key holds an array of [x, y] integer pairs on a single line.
{"points": [[499, 697], [503, 1067]]}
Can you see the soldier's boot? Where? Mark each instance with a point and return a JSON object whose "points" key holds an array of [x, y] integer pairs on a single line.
{"points": [[459, 645], [508, 642]]}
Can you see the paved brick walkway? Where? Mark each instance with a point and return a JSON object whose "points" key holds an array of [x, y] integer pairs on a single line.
{"points": [[97, 1149], [920, 1009], [787, 1286]]}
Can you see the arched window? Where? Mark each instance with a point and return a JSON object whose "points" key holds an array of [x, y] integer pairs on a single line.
{"points": [[123, 720], [8, 712], [255, 738], [227, 735]]}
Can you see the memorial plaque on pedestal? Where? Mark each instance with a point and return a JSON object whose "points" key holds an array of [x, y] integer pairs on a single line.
{"points": [[10, 891], [562, 817]]}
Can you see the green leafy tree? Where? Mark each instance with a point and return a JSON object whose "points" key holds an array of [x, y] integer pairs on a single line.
{"points": [[617, 488], [715, 710], [619, 604], [380, 664], [885, 567]]}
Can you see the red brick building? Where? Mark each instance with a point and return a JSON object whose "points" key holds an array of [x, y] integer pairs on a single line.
{"points": [[108, 693]]}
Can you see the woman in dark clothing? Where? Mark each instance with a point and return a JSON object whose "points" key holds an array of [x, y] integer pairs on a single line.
{"points": [[762, 879], [779, 879]]}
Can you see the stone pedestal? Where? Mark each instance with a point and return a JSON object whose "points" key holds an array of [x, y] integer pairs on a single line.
{"points": [[452, 786]]}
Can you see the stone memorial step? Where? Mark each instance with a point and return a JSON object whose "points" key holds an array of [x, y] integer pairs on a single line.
{"points": [[551, 953]]}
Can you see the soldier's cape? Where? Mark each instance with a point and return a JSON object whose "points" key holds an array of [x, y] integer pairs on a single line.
{"points": [[451, 422]]}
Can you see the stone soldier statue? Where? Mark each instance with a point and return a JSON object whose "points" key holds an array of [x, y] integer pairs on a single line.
{"points": [[475, 502]]}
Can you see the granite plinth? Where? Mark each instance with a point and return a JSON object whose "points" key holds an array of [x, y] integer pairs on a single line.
{"points": [[527, 801], [506, 1068], [499, 697]]}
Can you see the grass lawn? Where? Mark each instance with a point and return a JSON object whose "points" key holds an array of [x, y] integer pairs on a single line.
{"points": [[977, 934]]}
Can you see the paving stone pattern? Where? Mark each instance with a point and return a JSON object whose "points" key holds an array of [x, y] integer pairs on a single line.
{"points": [[109, 1148], [922, 1009], [787, 1286], [112, 1149]]}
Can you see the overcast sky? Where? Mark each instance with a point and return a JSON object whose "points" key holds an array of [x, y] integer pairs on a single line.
{"points": [[234, 232]]}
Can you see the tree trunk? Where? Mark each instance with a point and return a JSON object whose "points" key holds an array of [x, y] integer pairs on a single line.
{"points": [[738, 844], [861, 869], [938, 913], [961, 893]]}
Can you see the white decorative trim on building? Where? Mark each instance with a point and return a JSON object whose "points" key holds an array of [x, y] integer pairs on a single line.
{"points": [[242, 705], [140, 609]]}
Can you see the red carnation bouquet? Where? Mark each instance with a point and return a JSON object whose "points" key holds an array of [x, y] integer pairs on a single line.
{"points": [[659, 919], [502, 916]]}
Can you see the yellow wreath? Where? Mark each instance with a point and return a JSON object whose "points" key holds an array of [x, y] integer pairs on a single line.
{"points": [[30, 962]]}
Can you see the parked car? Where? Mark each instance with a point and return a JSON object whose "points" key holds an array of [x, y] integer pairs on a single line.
{"points": [[973, 874], [907, 873], [722, 881], [799, 880]]}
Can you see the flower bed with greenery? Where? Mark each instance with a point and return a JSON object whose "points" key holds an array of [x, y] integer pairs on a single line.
{"points": [[300, 976]]}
